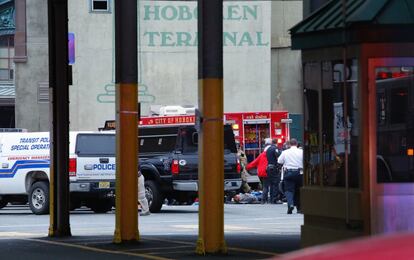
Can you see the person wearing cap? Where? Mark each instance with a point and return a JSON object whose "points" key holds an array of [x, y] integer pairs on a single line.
{"points": [[292, 161], [272, 169]]}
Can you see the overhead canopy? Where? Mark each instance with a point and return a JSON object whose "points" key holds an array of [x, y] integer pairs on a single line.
{"points": [[365, 21], [7, 95], [7, 91]]}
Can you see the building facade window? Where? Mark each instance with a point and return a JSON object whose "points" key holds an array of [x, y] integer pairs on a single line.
{"points": [[99, 6], [312, 92], [6, 58], [331, 123]]}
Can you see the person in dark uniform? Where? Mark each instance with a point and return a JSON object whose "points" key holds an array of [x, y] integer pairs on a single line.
{"points": [[273, 171], [292, 161]]}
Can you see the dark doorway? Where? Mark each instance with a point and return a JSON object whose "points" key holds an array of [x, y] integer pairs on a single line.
{"points": [[7, 117]]}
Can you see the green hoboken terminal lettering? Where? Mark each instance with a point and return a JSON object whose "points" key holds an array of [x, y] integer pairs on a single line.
{"points": [[176, 13]]}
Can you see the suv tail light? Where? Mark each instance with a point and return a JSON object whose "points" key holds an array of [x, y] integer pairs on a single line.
{"points": [[72, 167], [174, 167]]}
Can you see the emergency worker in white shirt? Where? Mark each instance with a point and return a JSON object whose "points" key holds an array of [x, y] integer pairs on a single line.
{"points": [[292, 161]]}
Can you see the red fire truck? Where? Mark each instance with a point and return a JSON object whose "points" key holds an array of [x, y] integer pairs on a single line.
{"points": [[250, 128]]}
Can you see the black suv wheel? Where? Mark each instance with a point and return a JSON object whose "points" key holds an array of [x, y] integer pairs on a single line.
{"points": [[154, 197]]}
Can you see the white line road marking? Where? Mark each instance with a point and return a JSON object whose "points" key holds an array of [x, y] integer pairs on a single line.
{"points": [[10, 235], [226, 227]]}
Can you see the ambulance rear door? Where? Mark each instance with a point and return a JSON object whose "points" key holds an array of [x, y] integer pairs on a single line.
{"points": [[255, 133]]}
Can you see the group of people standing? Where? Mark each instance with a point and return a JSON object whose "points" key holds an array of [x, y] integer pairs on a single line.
{"points": [[275, 166]]}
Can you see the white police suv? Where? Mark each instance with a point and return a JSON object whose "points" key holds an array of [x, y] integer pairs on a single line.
{"points": [[24, 170]]}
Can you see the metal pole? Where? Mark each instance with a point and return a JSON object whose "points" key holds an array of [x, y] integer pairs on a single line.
{"points": [[59, 128], [211, 136], [320, 126], [345, 107], [126, 78]]}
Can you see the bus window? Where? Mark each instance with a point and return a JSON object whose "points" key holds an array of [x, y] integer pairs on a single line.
{"points": [[398, 105], [395, 125]]}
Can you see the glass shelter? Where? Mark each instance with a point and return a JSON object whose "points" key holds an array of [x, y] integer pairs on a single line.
{"points": [[358, 83]]}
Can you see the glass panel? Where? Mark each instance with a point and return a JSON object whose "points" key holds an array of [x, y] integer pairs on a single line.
{"points": [[340, 131], [4, 74], [4, 42], [4, 63], [187, 138], [100, 5], [255, 135], [312, 84], [229, 144], [157, 144], [395, 119], [95, 145], [398, 105], [4, 52], [190, 145]]}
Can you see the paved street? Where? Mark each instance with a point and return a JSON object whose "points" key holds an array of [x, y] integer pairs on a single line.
{"points": [[260, 231]]}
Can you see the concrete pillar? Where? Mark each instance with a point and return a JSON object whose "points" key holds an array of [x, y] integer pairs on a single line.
{"points": [[126, 78]]}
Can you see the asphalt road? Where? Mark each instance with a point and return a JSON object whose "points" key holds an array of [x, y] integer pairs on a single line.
{"points": [[251, 231]]}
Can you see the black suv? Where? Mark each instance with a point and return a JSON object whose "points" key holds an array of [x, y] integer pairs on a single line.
{"points": [[168, 159]]}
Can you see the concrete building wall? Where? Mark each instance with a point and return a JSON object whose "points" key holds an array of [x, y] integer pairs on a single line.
{"points": [[168, 58], [259, 68], [286, 67], [286, 64], [92, 94], [309, 6], [286, 81], [34, 73], [169, 69]]}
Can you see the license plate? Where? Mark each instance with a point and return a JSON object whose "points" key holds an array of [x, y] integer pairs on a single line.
{"points": [[104, 185]]}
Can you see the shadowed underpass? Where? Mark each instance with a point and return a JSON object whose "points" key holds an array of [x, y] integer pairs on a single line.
{"points": [[252, 231]]}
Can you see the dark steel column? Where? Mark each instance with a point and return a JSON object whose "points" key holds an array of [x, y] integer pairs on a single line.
{"points": [[59, 127], [211, 136], [126, 64], [345, 111]]}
